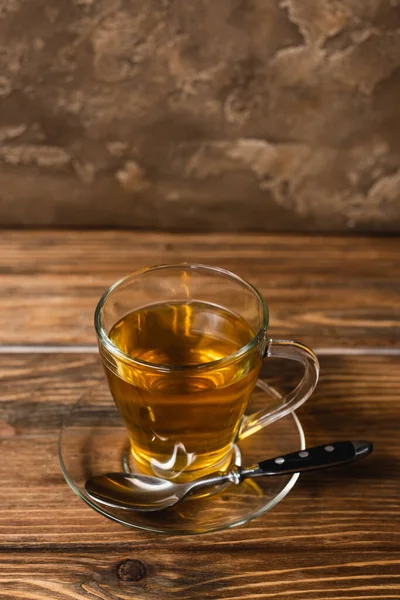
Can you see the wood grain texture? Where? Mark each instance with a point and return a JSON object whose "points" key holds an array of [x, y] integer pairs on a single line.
{"points": [[336, 536], [325, 291], [198, 573]]}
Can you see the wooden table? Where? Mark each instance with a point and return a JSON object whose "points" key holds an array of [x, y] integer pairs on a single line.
{"points": [[337, 534]]}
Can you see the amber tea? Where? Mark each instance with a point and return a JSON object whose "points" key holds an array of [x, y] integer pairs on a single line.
{"points": [[182, 347], [182, 420]]}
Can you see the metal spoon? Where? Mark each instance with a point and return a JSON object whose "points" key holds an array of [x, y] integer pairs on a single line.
{"points": [[133, 491]]}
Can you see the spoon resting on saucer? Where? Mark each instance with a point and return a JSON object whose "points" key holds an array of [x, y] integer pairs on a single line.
{"points": [[134, 491]]}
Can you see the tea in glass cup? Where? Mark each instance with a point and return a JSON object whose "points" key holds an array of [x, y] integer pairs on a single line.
{"points": [[182, 347]]}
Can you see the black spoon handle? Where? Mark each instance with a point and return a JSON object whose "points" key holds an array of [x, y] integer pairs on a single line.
{"points": [[311, 459]]}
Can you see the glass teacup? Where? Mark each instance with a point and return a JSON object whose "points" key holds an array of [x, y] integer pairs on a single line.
{"points": [[182, 346]]}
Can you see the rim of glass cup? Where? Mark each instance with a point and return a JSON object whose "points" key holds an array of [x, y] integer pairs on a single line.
{"points": [[114, 350]]}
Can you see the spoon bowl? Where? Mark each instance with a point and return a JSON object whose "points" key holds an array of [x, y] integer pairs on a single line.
{"points": [[133, 492]]}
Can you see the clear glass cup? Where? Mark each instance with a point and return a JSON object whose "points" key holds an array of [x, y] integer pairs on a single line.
{"points": [[182, 347]]}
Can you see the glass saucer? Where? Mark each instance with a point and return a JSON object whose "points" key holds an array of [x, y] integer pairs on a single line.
{"points": [[93, 440]]}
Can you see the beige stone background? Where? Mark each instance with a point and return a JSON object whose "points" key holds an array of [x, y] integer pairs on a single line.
{"points": [[201, 114]]}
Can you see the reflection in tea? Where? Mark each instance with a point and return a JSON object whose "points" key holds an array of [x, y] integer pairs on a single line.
{"points": [[181, 422]]}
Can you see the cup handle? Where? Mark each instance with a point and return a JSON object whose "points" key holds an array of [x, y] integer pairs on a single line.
{"points": [[293, 351]]}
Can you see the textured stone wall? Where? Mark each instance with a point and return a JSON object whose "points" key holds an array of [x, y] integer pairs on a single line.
{"points": [[201, 114]]}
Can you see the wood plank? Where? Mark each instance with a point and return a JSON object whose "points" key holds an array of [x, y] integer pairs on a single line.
{"points": [[355, 508], [325, 291], [191, 572]]}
